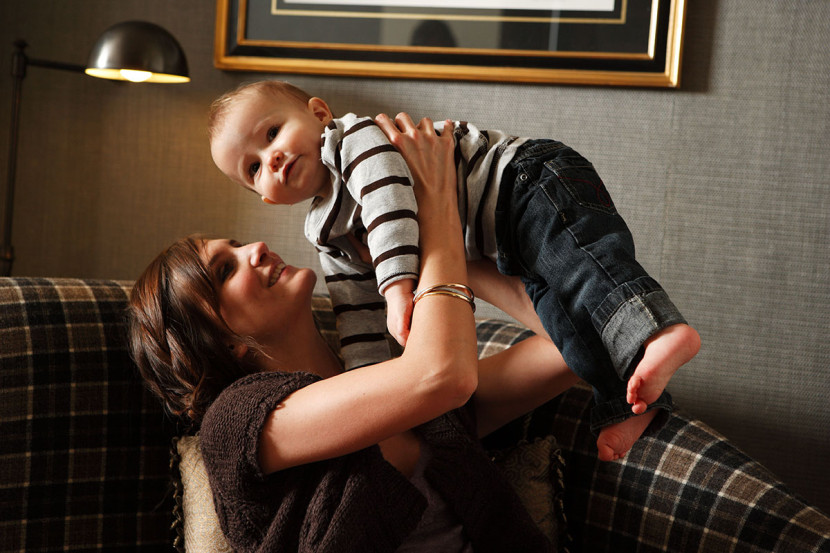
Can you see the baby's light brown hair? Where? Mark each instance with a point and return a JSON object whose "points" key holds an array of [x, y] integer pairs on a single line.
{"points": [[280, 90]]}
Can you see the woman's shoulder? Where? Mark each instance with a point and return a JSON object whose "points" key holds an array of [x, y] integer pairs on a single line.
{"points": [[269, 380], [246, 403]]}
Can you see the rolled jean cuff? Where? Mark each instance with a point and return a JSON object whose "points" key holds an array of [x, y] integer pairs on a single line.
{"points": [[629, 316], [617, 410]]}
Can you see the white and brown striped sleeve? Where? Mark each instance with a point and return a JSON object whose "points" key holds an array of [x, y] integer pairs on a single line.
{"points": [[379, 181]]}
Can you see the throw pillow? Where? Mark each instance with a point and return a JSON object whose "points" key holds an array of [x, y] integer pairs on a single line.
{"points": [[202, 533], [535, 469]]}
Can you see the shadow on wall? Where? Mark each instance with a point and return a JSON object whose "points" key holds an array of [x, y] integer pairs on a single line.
{"points": [[698, 46]]}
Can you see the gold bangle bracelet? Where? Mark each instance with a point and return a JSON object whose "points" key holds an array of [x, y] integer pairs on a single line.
{"points": [[459, 291], [460, 288]]}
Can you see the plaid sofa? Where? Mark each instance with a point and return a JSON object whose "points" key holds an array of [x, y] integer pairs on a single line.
{"points": [[84, 460]]}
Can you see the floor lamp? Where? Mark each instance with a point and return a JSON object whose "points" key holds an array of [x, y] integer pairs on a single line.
{"points": [[135, 51]]}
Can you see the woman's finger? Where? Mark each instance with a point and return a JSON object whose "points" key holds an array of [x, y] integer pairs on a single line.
{"points": [[404, 121], [386, 124], [446, 132], [425, 124]]}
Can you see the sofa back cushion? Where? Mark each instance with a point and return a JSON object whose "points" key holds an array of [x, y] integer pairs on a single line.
{"points": [[84, 445]]}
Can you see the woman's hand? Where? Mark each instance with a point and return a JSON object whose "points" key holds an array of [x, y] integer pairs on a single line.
{"points": [[428, 155]]}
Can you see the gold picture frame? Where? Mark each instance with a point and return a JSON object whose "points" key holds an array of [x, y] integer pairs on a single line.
{"points": [[592, 42]]}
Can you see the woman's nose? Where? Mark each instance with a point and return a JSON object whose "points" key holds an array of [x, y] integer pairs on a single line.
{"points": [[257, 253]]}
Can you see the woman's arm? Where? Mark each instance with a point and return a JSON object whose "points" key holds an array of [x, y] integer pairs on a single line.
{"points": [[517, 380], [438, 370], [505, 292]]}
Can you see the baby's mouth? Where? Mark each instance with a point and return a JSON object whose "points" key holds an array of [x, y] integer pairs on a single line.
{"points": [[287, 171]]}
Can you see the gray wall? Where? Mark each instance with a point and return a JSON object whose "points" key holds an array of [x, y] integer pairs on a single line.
{"points": [[724, 183]]}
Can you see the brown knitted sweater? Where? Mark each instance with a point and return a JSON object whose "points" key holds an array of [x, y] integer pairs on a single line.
{"points": [[357, 502]]}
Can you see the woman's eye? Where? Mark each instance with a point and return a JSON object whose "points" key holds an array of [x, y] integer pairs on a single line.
{"points": [[272, 133], [253, 169], [224, 271]]}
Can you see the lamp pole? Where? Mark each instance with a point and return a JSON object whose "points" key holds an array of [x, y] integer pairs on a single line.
{"points": [[18, 72], [137, 51]]}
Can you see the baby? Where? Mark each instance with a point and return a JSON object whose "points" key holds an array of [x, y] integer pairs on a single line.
{"points": [[534, 208]]}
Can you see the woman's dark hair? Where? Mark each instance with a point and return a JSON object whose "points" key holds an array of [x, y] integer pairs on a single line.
{"points": [[177, 335]]}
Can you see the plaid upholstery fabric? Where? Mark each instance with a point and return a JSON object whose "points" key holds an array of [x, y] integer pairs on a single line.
{"points": [[83, 447], [84, 454], [682, 487]]}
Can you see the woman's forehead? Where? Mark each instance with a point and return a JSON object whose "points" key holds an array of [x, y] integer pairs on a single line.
{"points": [[209, 249]]}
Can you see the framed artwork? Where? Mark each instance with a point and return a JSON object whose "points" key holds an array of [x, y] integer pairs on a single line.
{"points": [[596, 42]]}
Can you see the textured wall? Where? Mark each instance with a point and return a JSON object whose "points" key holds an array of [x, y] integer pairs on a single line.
{"points": [[724, 183]]}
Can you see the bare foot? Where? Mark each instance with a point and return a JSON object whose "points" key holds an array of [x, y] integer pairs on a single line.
{"points": [[614, 441], [665, 352]]}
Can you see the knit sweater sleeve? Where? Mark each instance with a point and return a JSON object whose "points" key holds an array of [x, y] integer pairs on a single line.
{"points": [[356, 502]]}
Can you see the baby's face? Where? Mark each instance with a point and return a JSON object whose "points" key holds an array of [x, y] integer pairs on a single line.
{"points": [[272, 146]]}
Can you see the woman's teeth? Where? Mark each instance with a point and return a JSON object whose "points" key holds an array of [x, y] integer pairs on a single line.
{"points": [[276, 274]]}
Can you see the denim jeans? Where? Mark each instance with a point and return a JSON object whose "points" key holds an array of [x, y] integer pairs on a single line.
{"points": [[558, 229]]}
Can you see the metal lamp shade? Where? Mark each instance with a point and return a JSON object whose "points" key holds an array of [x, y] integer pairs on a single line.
{"points": [[138, 51]]}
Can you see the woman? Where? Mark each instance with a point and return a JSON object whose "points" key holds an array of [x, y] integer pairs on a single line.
{"points": [[303, 456]]}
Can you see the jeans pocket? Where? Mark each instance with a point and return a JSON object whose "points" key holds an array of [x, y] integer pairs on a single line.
{"points": [[580, 181]]}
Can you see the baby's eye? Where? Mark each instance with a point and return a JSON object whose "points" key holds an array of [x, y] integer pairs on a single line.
{"points": [[272, 133], [253, 169]]}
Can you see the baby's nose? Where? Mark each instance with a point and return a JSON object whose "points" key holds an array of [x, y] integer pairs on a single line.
{"points": [[276, 160]]}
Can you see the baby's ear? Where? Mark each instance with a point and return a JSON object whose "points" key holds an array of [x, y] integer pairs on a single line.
{"points": [[320, 109]]}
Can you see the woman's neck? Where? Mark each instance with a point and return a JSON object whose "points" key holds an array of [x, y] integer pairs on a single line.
{"points": [[304, 350]]}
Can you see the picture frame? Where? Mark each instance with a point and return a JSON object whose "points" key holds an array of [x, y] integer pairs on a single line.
{"points": [[635, 43]]}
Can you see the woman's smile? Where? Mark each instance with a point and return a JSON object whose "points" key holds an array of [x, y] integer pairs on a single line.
{"points": [[276, 271]]}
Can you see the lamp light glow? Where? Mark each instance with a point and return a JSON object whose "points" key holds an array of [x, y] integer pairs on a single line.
{"points": [[138, 51], [121, 75]]}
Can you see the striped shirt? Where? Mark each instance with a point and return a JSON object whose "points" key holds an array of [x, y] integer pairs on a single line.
{"points": [[372, 200]]}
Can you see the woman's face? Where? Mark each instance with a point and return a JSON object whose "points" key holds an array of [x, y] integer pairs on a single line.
{"points": [[259, 295]]}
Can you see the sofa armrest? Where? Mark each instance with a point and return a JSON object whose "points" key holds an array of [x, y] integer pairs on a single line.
{"points": [[682, 487], [84, 445]]}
